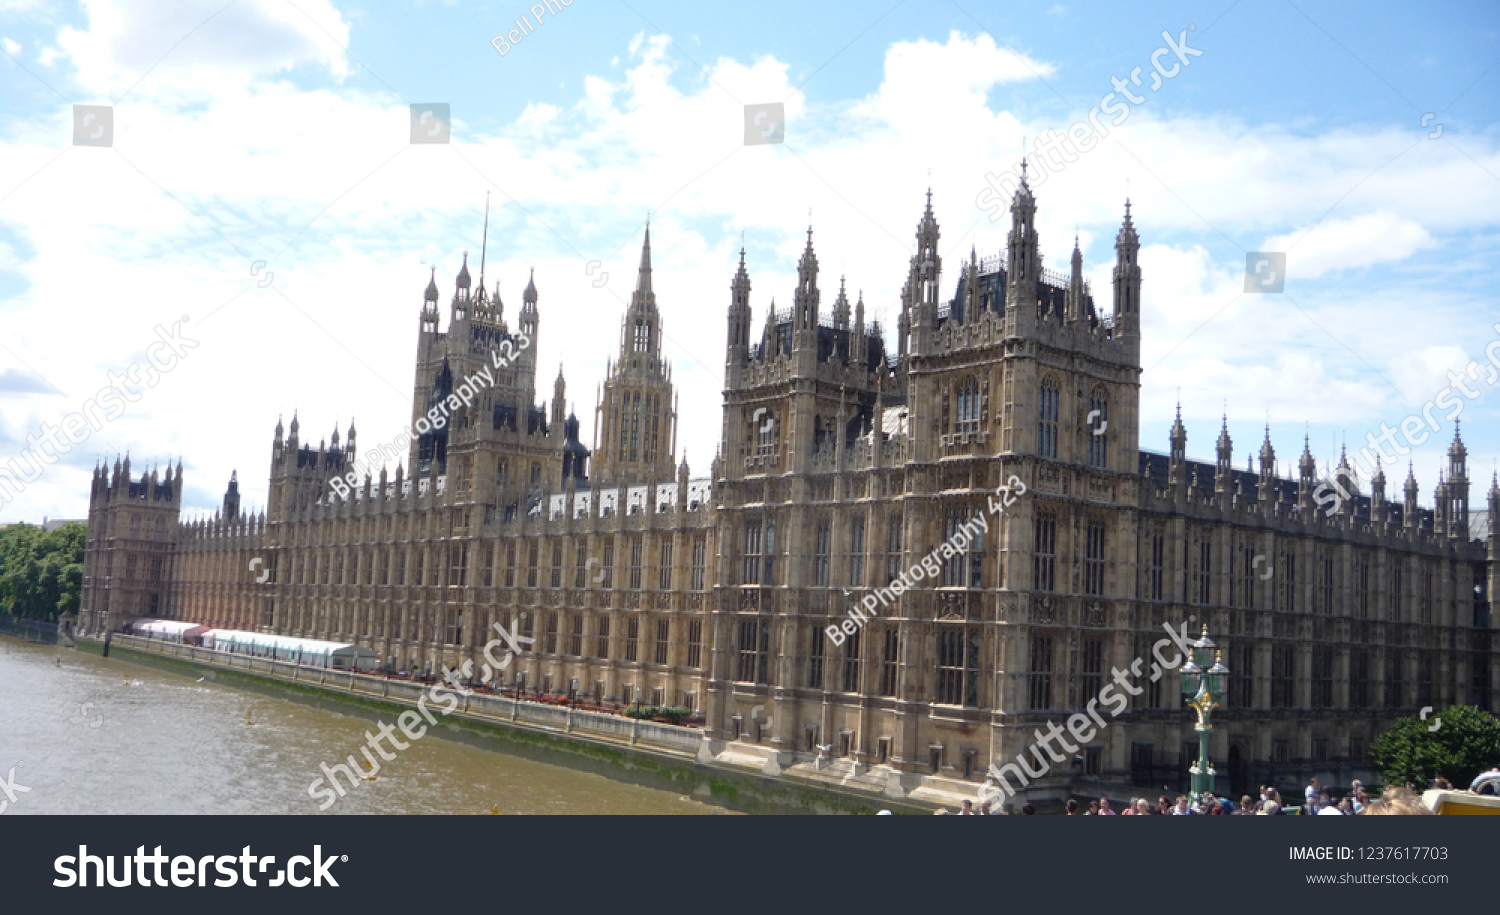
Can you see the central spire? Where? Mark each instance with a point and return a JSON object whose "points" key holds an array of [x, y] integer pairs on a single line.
{"points": [[643, 278]]}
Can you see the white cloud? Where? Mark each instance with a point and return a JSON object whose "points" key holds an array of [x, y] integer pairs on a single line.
{"points": [[198, 47], [1345, 244], [259, 159]]}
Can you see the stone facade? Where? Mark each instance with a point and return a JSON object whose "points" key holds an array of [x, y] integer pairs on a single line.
{"points": [[841, 464]]}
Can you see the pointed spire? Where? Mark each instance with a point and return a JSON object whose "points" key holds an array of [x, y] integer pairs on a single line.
{"points": [[462, 281], [431, 295], [528, 297], [643, 276]]}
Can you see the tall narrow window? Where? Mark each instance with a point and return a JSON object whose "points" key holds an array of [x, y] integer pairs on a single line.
{"points": [[575, 637], [1092, 679], [1044, 560], [664, 577], [754, 650], [1156, 561], [580, 568], [549, 644], [557, 561], [700, 552], [889, 661], [1242, 676], [1047, 420], [857, 553], [1098, 429], [1205, 570], [822, 542], [1360, 693], [1041, 673], [510, 566], [893, 551], [769, 577], [695, 644], [1362, 588], [531, 557], [752, 567], [659, 648], [601, 637], [815, 658], [632, 637], [635, 563], [1398, 592], [1093, 558], [1283, 676], [851, 663], [966, 418], [1322, 677]]}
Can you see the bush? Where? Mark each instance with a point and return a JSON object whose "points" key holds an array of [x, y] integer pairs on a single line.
{"points": [[672, 714], [1465, 744]]}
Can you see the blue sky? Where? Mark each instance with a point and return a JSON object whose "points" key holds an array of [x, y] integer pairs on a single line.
{"points": [[277, 131]]}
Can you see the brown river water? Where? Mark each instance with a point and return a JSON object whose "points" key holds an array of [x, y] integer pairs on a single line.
{"points": [[101, 735]]}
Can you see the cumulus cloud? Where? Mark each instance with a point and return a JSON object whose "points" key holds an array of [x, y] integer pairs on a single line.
{"points": [[349, 218], [1347, 244]]}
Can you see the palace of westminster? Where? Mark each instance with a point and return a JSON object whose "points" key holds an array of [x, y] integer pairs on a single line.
{"points": [[840, 464]]}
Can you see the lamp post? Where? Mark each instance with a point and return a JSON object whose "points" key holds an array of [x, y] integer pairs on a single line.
{"points": [[1203, 681]]}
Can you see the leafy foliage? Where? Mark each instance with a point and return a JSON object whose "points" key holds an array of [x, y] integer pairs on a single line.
{"points": [[672, 713], [1465, 744], [41, 573]]}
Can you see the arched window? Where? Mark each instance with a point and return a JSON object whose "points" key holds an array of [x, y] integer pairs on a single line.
{"points": [[642, 337], [1098, 428], [966, 418], [1046, 439]]}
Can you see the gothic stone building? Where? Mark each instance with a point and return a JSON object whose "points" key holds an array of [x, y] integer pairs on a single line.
{"points": [[841, 464]]}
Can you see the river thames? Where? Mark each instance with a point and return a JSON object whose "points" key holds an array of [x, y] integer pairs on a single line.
{"points": [[99, 735]]}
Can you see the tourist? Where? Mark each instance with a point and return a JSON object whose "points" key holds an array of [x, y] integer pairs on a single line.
{"points": [[1215, 810], [1163, 805], [1398, 802], [1093, 809], [966, 809], [1129, 810], [1104, 810], [1269, 809], [1361, 800], [1312, 792], [1072, 807], [1141, 807], [1246, 808], [984, 808]]}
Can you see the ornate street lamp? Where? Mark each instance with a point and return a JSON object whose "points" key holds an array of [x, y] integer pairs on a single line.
{"points": [[1204, 679]]}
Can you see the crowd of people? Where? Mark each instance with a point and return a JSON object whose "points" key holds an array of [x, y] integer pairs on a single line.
{"points": [[1317, 800]]}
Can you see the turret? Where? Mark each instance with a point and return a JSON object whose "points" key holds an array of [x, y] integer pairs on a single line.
{"points": [[1177, 464], [1307, 470], [1127, 280], [232, 496], [1076, 306], [1458, 487], [1224, 472], [1410, 511], [559, 393], [739, 322], [1024, 263]]}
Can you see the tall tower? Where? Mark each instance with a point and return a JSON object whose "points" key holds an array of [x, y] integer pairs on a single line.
{"points": [[636, 420]]}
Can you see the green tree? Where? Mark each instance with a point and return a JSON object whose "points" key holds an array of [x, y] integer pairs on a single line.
{"points": [[41, 573], [1466, 743]]}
